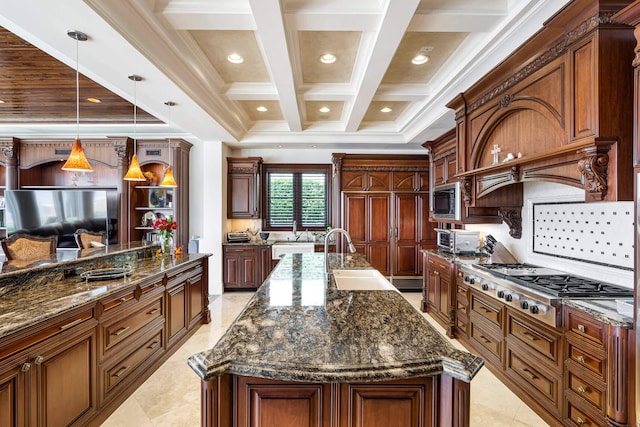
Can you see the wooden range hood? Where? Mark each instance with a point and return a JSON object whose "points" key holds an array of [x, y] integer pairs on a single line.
{"points": [[564, 101]]}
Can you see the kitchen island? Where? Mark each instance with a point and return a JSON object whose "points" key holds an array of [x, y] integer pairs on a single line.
{"points": [[303, 352]]}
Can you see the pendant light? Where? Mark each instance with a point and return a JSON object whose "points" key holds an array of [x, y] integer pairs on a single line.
{"points": [[77, 161], [134, 173], [169, 180]]}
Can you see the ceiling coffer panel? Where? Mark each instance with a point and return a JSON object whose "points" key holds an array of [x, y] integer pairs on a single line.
{"points": [[314, 114], [256, 110], [218, 45], [437, 46], [342, 44], [375, 114]]}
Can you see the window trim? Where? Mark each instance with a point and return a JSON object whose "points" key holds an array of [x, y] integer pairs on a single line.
{"points": [[294, 168]]}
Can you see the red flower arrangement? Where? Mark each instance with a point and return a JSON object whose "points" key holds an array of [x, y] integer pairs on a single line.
{"points": [[165, 227]]}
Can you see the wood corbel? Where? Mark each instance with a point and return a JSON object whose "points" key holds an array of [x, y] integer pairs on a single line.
{"points": [[594, 168], [513, 218], [466, 189]]}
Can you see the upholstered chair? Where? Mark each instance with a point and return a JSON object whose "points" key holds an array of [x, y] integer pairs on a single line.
{"points": [[89, 239], [29, 247]]}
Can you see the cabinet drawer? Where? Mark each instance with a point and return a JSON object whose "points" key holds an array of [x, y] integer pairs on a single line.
{"points": [[486, 343], [489, 310], [583, 359], [586, 327], [240, 250], [545, 386], [120, 300], [542, 341], [577, 415], [120, 329], [119, 371], [586, 390]]}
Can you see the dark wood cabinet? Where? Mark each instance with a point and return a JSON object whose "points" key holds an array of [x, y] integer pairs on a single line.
{"points": [[437, 292], [35, 373], [596, 358], [243, 187], [367, 218], [461, 305], [246, 266], [366, 181]]}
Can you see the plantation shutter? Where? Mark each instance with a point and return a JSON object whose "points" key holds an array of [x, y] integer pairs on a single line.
{"points": [[296, 195]]}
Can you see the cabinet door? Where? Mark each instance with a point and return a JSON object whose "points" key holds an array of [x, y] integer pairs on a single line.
{"points": [[439, 171], [265, 263], [378, 221], [65, 383], [406, 216], [427, 238], [176, 312], [354, 181], [249, 271], [197, 297], [231, 271], [12, 396], [242, 196], [378, 181]]}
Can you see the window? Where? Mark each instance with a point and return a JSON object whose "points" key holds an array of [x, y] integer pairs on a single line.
{"points": [[296, 192]]}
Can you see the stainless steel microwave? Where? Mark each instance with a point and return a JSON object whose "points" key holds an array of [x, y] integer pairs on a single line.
{"points": [[446, 202]]}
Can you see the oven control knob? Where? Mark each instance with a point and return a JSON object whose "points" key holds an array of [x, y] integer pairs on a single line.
{"points": [[485, 287], [500, 294], [508, 297], [472, 280], [466, 278], [534, 309], [524, 305]]}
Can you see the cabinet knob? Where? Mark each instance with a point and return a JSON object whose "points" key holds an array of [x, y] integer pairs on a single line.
{"points": [[581, 328], [582, 390], [580, 359], [580, 421]]}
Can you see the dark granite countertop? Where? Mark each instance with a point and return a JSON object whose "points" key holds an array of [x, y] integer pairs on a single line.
{"points": [[299, 327], [43, 293], [604, 310]]}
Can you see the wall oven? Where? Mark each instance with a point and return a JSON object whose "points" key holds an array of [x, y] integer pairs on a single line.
{"points": [[445, 202]]}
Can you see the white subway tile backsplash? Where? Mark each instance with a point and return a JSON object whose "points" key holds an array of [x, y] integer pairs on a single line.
{"points": [[600, 233]]}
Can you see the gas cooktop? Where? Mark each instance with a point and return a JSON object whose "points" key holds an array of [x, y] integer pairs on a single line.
{"points": [[555, 282]]}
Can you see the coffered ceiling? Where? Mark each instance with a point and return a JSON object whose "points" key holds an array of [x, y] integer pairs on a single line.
{"points": [[281, 93]]}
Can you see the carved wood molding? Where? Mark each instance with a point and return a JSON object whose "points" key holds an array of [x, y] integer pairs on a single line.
{"points": [[594, 169], [440, 155], [513, 218], [466, 189], [545, 58], [385, 168]]}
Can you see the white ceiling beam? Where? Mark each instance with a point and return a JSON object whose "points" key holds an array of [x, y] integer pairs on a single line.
{"points": [[377, 57], [208, 15], [271, 36], [338, 21], [252, 91], [457, 22]]}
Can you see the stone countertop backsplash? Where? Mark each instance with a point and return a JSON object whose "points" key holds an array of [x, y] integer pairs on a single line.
{"points": [[300, 327], [41, 293]]}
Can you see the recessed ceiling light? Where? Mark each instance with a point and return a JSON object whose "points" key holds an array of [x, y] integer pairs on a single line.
{"points": [[325, 109], [314, 146], [385, 110], [262, 109], [234, 58], [94, 100], [328, 58], [279, 146], [420, 59]]}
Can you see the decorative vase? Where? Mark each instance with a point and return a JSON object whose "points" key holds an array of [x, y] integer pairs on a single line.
{"points": [[166, 245]]}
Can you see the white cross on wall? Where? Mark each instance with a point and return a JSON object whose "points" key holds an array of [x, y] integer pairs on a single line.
{"points": [[495, 151]]}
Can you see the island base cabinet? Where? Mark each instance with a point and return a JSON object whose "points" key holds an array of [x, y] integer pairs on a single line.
{"points": [[240, 401]]}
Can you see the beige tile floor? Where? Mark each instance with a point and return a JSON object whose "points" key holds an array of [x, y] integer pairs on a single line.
{"points": [[171, 396]]}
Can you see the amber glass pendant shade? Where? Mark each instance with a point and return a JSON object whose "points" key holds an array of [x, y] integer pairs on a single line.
{"points": [[134, 173], [168, 180], [77, 161]]}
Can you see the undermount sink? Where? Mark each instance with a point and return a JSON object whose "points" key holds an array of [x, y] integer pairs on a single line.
{"points": [[281, 248], [361, 280]]}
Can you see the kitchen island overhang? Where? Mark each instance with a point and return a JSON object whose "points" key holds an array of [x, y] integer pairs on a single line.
{"points": [[300, 329]]}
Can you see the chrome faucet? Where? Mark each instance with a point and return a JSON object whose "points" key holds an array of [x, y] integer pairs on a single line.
{"points": [[352, 248], [296, 236]]}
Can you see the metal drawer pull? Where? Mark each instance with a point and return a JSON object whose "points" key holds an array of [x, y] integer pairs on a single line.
{"points": [[529, 373], [121, 331], [580, 421], [153, 345], [38, 360], [581, 328], [580, 359], [71, 324], [581, 389], [121, 371], [529, 335], [485, 339], [485, 309], [154, 311], [124, 299], [25, 367]]}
